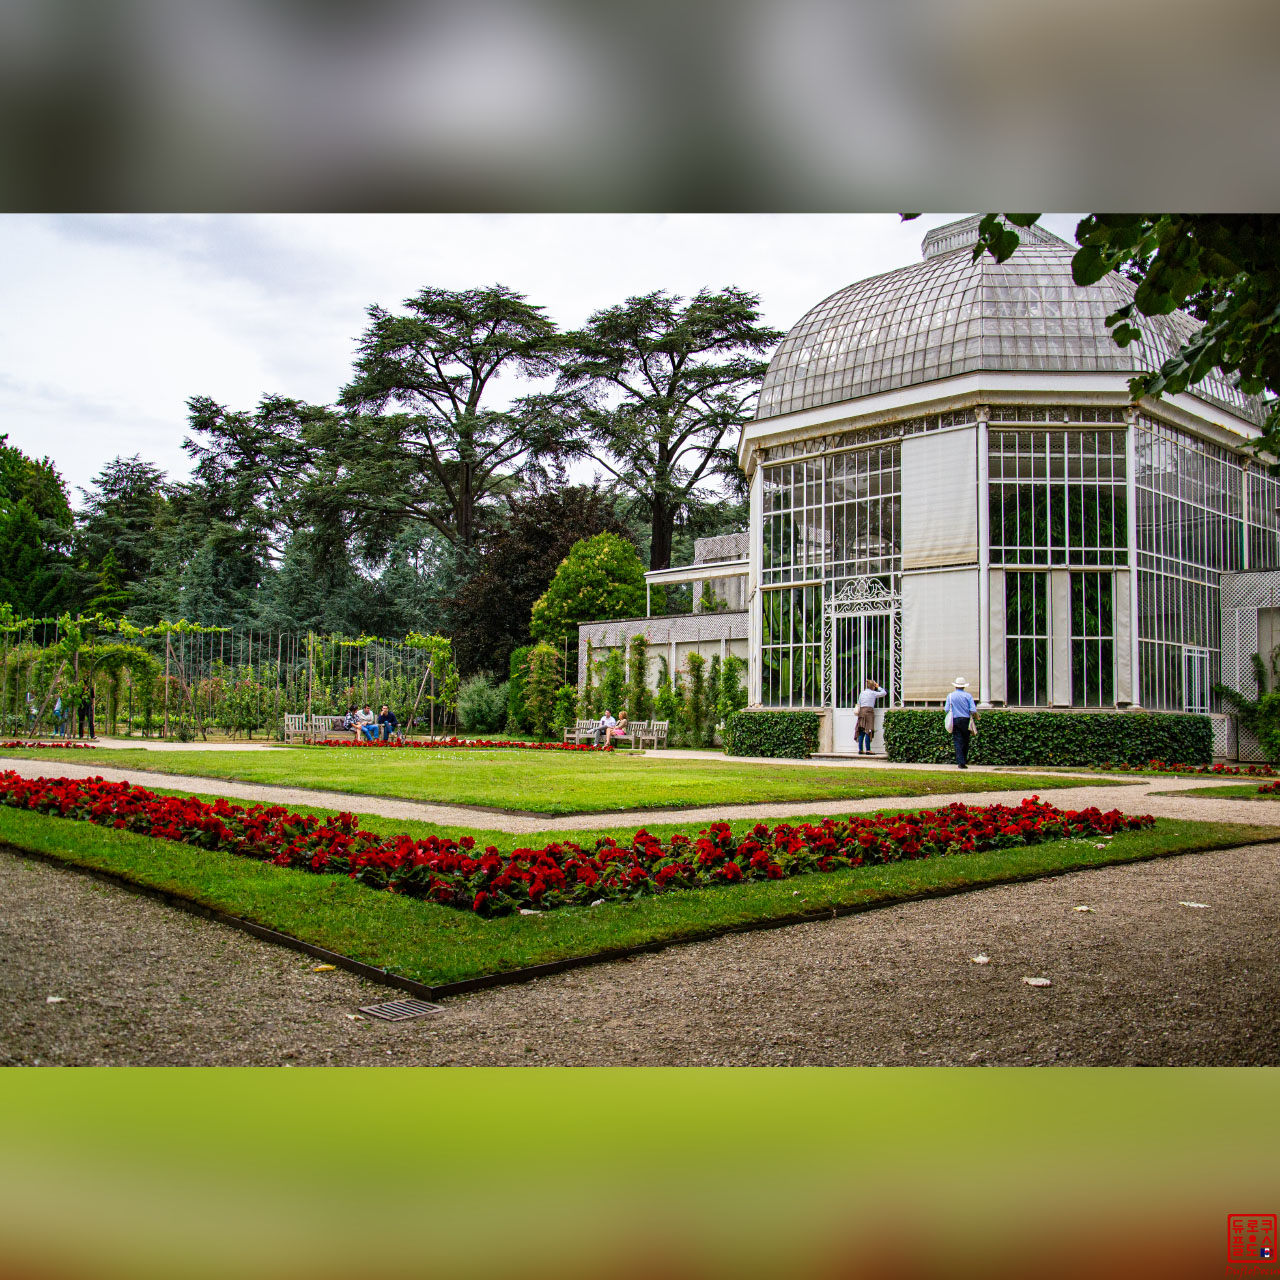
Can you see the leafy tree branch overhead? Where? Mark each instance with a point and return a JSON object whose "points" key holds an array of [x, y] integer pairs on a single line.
{"points": [[1221, 269]]}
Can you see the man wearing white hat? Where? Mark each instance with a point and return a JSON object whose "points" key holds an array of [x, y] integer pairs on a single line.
{"points": [[962, 713]]}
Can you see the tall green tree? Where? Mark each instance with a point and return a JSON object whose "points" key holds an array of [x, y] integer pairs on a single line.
{"points": [[663, 387], [263, 464], [1222, 269], [425, 437], [36, 533], [600, 578], [125, 516], [26, 581], [231, 520], [111, 596]]}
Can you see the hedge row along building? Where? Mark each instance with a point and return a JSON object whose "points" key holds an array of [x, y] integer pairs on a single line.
{"points": [[948, 478]]}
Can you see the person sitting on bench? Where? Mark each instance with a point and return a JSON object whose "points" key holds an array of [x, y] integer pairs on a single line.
{"points": [[388, 725], [607, 722], [367, 723]]}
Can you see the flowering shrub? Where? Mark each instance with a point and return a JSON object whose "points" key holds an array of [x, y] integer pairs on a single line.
{"points": [[1215, 770], [50, 746], [487, 743], [456, 874], [1269, 788]]}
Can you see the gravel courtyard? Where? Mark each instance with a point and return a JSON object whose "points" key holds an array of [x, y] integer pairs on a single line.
{"points": [[1140, 979]]}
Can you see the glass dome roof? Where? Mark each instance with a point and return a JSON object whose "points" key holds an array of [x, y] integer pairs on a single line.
{"points": [[949, 315]]}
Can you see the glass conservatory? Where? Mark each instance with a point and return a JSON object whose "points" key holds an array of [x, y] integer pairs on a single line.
{"points": [[948, 479]]}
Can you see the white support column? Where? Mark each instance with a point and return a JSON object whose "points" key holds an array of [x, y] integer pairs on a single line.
{"points": [[752, 603], [1245, 464], [1131, 500], [984, 560]]}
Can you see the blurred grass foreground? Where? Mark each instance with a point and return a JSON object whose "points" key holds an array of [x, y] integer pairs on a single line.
{"points": [[859, 1173]]}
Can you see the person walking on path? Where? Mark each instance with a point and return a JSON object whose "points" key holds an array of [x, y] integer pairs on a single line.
{"points": [[962, 714], [84, 710], [867, 715]]}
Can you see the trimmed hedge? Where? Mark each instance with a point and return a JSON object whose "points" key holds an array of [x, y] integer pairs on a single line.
{"points": [[792, 735], [1074, 738]]}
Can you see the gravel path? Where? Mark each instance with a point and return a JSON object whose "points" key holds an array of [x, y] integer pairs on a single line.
{"points": [[1144, 796], [1139, 980]]}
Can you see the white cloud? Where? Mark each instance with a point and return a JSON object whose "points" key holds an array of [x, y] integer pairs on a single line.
{"points": [[108, 323]]}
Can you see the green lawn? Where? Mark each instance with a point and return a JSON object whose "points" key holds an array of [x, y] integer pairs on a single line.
{"points": [[437, 945], [552, 783], [1230, 791]]}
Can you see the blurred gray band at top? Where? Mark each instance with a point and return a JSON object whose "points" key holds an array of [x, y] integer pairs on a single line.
{"points": [[513, 104]]}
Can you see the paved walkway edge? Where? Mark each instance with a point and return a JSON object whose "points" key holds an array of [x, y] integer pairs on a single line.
{"points": [[530, 973]]}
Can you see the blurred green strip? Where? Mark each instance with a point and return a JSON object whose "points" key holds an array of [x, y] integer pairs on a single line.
{"points": [[459, 1114]]}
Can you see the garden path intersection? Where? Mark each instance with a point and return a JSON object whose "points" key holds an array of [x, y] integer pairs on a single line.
{"points": [[1140, 978]]}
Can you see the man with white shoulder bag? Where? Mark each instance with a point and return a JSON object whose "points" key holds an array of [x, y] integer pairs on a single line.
{"points": [[962, 719]]}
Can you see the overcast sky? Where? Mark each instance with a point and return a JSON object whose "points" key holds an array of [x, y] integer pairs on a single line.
{"points": [[108, 323]]}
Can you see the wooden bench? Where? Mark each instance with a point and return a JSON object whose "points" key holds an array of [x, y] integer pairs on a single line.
{"points": [[654, 731], [582, 731], [313, 728], [631, 737], [585, 731]]}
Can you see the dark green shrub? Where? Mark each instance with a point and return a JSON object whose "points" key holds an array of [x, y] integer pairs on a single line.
{"points": [[482, 705], [695, 707], [1074, 738], [566, 709], [517, 717], [789, 734], [541, 689], [666, 706], [733, 692], [639, 699]]}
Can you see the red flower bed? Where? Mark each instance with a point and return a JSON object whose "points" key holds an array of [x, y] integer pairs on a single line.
{"points": [[456, 874], [1269, 789], [488, 743], [1215, 770], [50, 746]]}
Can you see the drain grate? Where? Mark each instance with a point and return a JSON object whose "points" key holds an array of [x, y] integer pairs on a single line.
{"points": [[400, 1010]]}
